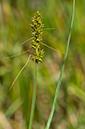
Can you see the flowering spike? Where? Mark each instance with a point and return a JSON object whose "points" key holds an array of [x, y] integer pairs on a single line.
{"points": [[37, 26]]}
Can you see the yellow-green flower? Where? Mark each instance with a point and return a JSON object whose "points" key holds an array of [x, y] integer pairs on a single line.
{"points": [[37, 31]]}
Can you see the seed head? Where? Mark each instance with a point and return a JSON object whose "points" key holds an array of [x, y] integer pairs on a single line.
{"points": [[37, 31]]}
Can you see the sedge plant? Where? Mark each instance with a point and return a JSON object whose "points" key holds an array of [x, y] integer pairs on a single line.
{"points": [[36, 40], [36, 27]]}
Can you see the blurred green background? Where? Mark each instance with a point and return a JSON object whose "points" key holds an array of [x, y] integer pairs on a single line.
{"points": [[15, 20]]}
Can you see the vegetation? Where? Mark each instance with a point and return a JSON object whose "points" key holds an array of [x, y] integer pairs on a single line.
{"points": [[15, 48]]}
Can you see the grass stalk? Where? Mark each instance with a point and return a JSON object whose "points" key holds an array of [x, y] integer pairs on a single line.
{"points": [[62, 69], [34, 97], [20, 72]]}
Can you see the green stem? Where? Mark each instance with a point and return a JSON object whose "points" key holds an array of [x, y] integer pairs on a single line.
{"points": [[62, 69], [34, 97]]}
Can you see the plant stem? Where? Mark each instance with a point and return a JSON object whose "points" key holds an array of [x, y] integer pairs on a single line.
{"points": [[34, 97], [62, 69]]}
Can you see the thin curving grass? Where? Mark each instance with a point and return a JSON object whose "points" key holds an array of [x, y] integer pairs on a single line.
{"points": [[62, 69], [19, 73], [18, 54], [51, 48], [26, 41]]}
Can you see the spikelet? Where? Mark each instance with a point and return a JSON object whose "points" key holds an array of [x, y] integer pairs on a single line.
{"points": [[37, 31]]}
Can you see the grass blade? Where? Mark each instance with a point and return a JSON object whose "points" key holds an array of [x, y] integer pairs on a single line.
{"points": [[24, 52], [51, 48], [19, 73], [59, 81]]}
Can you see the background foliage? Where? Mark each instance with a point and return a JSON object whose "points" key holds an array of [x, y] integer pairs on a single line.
{"points": [[15, 19]]}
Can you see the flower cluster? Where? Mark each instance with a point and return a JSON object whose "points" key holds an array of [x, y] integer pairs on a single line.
{"points": [[37, 27]]}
